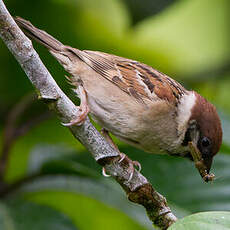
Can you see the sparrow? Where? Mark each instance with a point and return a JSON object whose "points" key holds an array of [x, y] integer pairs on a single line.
{"points": [[138, 104]]}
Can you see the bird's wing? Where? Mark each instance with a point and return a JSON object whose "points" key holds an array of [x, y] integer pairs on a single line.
{"points": [[136, 79]]}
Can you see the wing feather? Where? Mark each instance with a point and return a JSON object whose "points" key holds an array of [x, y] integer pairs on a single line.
{"points": [[138, 80]]}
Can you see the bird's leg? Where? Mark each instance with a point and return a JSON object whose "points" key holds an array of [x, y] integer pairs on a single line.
{"points": [[83, 108], [123, 157], [105, 134]]}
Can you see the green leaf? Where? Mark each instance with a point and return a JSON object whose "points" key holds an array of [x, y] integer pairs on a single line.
{"points": [[105, 191], [140, 10], [225, 121], [194, 34], [50, 132], [18, 214], [204, 221], [6, 222], [56, 159], [86, 212]]}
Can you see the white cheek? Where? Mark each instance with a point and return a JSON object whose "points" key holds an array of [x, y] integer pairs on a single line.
{"points": [[184, 111]]}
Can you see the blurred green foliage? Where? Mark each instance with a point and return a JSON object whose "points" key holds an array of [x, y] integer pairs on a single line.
{"points": [[204, 221], [51, 182]]}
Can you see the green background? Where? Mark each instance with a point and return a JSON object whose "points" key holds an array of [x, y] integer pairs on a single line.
{"points": [[52, 182]]}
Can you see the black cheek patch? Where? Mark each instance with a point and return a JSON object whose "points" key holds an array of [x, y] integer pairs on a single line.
{"points": [[187, 138]]}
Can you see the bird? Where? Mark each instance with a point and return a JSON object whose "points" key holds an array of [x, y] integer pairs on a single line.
{"points": [[137, 103]]}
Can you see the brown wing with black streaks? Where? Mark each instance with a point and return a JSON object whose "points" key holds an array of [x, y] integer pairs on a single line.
{"points": [[135, 78]]}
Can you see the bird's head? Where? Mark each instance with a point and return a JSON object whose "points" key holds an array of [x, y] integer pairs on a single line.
{"points": [[203, 135]]}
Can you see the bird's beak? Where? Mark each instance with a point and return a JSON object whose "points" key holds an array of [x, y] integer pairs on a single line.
{"points": [[203, 167]]}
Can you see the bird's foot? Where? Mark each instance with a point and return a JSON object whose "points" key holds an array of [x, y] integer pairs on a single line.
{"points": [[130, 168], [83, 109], [123, 157], [131, 165]]}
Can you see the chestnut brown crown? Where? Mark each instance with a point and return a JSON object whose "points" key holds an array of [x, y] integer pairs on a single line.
{"points": [[209, 128]]}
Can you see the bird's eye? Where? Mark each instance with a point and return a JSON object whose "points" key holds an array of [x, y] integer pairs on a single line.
{"points": [[205, 142]]}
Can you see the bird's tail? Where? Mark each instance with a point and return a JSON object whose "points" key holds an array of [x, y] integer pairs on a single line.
{"points": [[39, 35]]}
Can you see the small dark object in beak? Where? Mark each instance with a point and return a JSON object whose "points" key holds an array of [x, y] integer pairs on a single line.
{"points": [[199, 163]]}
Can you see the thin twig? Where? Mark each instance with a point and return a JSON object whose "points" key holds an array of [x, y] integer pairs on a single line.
{"points": [[9, 130], [12, 131], [28, 125], [8, 189], [13, 116], [138, 188]]}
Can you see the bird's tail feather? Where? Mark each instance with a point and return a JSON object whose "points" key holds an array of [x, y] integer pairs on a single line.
{"points": [[39, 35]]}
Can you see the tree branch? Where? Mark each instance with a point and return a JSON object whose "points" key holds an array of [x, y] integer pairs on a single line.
{"points": [[138, 189]]}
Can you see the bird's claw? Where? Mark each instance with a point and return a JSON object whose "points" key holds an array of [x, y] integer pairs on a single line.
{"points": [[130, 168], [104, 173], [83, 109]]}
